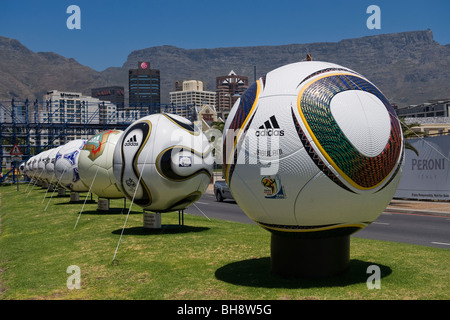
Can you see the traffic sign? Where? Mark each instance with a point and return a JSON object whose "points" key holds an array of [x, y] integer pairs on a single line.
{"points": [[16, 151]]}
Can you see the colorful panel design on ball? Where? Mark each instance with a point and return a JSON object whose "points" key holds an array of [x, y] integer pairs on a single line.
{"points": [[71, 157], [360, 171], [314, 156], [240, 124], [96, 144]]}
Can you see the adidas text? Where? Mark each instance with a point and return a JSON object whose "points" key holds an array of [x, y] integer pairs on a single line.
{"points": [[269, 132]]}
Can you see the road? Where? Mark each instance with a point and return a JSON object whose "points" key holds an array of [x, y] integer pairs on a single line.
{"points": [[425, 230]]}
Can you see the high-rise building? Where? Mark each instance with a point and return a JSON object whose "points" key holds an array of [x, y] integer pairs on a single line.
{"points": [[114, 94], [74, 108], [228, 89], [190, 94], [144, 87]]}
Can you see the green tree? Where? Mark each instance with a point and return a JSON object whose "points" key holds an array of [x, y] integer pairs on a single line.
{"points": [[409, 133], [219, 125]]}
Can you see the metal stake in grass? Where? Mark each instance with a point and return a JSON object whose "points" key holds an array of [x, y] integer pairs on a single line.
{"points": [[47, 189], [201, 212], [54, 190], [29, 183], [35, 183], [85, 199]]}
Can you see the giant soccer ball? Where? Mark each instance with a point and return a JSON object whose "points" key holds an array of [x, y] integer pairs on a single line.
{"points": [[66, 166], [28, 168], [95, 164], [313, 149], [22, 168], [34, 166], [38, 166], [50, 166], [163, 162], [42, 162]]}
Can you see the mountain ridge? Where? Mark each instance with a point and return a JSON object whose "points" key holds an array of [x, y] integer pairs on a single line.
{"points": [[409, 67]]}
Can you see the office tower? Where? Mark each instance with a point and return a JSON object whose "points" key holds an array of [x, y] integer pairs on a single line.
{"points": [[190, 94], [114, 94], [144, 87], [228, 89]]}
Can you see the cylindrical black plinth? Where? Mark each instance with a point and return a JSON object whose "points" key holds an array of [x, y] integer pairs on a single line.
{"points": [[309, 258]]}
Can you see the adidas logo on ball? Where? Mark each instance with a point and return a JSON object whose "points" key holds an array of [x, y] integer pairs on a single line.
{"points": [[270, 128], [132, 142]]}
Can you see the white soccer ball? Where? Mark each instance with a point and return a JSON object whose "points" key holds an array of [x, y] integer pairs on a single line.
{"points": [[28, 170], [41, 164], [22, 168], [66, 166], [95, 164], [50, 165], [34, 166], [313, 149], [163, 162], [38, 166], [30, 165]]}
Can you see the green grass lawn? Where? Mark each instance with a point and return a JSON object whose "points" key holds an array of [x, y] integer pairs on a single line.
{"points": [[205, 259]]}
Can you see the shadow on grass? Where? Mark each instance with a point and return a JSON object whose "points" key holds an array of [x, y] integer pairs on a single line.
{"points": [[165, 229], [74, 202], [256, 273], [110, 211], [55, 196]]}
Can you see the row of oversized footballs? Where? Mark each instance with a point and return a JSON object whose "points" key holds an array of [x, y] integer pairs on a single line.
{"points": [[67, 166], [175, 155], [330, 165]]}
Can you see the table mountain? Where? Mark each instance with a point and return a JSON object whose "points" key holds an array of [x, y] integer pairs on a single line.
{"points": [[26, 74], [409, 67]]}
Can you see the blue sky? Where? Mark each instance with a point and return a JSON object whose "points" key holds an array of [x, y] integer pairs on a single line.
{"points": [[111, 29]]}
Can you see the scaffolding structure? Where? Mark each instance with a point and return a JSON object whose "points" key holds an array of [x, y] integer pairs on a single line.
{"points": [[23, 123]]}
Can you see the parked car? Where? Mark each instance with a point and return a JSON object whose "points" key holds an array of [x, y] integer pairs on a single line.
{"points": [[221, 191]]}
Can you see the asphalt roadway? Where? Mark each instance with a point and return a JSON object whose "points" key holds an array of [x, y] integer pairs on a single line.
{"points": [[420, 227]]}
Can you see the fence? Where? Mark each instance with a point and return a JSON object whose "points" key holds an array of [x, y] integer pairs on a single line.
{"points": [[40, 125]]}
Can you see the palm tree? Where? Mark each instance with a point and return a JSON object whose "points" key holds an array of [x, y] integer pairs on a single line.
{"points": [[409, 133], [219, 125]]}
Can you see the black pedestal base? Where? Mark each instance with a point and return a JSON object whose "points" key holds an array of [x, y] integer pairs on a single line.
{"points": [[309, 258]]}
